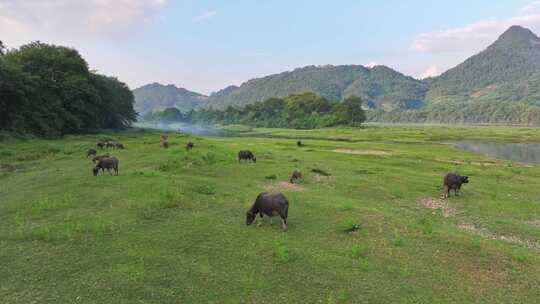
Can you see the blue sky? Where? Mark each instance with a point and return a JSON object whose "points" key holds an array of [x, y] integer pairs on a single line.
{"points": [[207, 45]]}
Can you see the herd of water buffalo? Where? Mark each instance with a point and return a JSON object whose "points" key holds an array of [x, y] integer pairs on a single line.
{"points": [[269, 204]]}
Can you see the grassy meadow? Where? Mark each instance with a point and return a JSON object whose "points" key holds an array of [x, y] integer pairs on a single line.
{"points": [[171, 227]]}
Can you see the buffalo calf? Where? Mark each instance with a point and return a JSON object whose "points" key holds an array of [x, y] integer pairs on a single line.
{"points": [[91, 152], [296, 175]]}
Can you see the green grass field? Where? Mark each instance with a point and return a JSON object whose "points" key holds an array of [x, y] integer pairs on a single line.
{"points": [[171, 227]]}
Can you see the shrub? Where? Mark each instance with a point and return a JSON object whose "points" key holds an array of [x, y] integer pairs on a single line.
{"points": [[349, 226]]}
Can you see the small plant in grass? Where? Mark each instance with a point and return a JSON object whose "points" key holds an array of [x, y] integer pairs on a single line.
{"points": [[205, 189], [363, 264], [281, 253], [271, 176], [425, 226], [209, 158], [398, 241], [476, 243], [349, 225], [521, 255], [341, 297], [359, 251], [347, 206]]}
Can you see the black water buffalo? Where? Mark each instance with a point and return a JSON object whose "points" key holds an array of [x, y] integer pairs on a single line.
{"points": [[296, 175], [109, 144], [106, 163], [269, 204], [119, 146], [246, 155], [91, 152], [453, 181], [100, 157], [100, 145], [190, 146]]}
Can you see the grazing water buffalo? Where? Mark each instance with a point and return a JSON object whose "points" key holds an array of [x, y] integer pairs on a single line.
{"points": [[100, 157], [100, 145], [269, 204], [246, 155], [109, 144], [453, 181], [296, 175], [106, 163], [91, 152], [190, 146], [119, 146]]}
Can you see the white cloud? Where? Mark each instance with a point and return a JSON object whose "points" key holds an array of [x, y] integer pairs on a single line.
{"points": [[533, 7], [372, 64], [205, 16], [49, 19], [432, 71], [475, 36]]}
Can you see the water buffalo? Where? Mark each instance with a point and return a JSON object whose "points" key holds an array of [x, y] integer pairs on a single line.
{"points": [[296, 175], [119, 146], [106, 163], [453, 181], [100, 145], [246, 155], [109, 144], [91, 152], [269, 204], [190, 146], [100, 157]]}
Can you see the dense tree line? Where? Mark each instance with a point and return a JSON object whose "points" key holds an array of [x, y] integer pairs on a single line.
{"points": [[48, 90], [299, 111], [464, 112]]}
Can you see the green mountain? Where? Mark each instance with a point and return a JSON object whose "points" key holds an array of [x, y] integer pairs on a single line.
{"points": [[508, 70], [379, 86], [157, 96], [499, 84]]}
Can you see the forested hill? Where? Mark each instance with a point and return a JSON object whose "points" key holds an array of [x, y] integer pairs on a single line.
{"points": [[157, 96], [379, 86], [508, 70], [500, 84], [48, 90]]}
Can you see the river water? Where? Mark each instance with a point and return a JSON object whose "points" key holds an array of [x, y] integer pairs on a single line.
{"points": [[522, 152]]}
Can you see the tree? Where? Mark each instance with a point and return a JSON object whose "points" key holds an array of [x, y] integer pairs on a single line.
{"points": [[350, 111], [170, 115], [47, 90]]}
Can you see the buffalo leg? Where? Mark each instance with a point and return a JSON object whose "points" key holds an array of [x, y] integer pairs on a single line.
{"points": [[446, 192], [283, 221]]}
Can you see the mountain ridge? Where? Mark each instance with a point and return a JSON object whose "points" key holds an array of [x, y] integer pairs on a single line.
{"points": [[508, 69]]}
